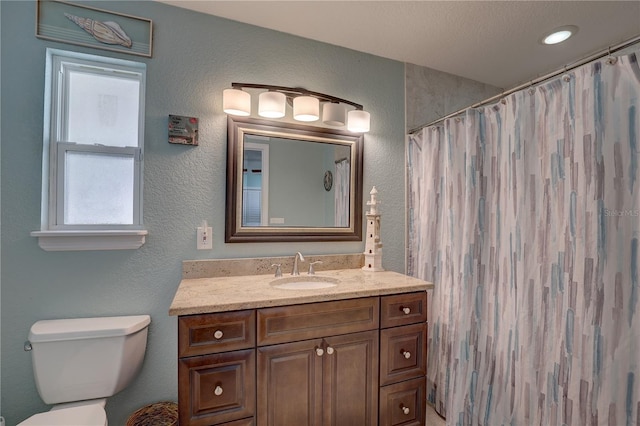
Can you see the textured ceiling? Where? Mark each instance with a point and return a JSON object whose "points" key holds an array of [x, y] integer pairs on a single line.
{"points": [[493, 42]]}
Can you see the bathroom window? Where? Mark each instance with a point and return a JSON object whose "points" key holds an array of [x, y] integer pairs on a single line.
{"points": [[92, 153]]}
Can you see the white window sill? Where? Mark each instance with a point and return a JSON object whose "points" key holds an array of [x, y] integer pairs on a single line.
{"points": [[89, 240]]}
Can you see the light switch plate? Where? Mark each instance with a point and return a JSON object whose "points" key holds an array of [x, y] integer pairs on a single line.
{"points": [[205, 240]]}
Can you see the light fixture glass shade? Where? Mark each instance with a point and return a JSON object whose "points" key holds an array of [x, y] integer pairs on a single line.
{"points": [[559, 34], [306, 108], [558, 37], [271, 104], [333, 114], [358, 121], [236, 102]]}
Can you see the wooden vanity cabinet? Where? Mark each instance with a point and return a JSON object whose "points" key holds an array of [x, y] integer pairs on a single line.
{"points": [[216, 369], [403, 359], [331, 377], [325, 363]]}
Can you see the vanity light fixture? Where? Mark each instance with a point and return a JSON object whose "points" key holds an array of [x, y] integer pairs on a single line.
{"points": [[306, 105], [333, 114], [236, 102], [358, 121], [306, 108], [559, 34], [271, 104]]}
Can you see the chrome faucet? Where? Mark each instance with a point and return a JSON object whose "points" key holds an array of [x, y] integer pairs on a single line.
{"points": [[295, 263]]}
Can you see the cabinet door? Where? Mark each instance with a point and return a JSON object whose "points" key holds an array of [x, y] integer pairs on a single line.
{"points": [[351, 379], [289, 384]]}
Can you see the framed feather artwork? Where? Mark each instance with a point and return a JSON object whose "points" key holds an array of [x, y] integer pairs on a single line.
{"points": [[92, 27]]}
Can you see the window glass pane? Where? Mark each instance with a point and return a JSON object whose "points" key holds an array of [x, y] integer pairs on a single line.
{"points": [[102, 109], [98, 189]]}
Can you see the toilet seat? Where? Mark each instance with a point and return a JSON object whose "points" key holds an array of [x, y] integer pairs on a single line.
{"points": [[87, 415]]}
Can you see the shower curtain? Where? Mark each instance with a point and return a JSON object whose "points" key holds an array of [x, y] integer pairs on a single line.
{"points": [[342, 177], [526, 217]]}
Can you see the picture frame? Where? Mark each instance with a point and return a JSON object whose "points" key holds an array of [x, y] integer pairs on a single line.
{"points": [[81, 25]]}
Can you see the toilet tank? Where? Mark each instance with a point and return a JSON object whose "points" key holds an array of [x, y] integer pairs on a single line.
{"points": [[86, 358]]}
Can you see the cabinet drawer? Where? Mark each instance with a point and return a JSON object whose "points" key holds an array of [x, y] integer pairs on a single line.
{"points": [[309, 321], [213, 333], [216, 388], [403, 403], [402, 309], [403, 353]]}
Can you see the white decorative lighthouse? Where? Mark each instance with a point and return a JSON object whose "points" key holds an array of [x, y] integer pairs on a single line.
{"points": [[373, 246]]}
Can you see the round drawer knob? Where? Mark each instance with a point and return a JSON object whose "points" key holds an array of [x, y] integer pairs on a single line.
{"points": [[329, 350], [405, 410], [218, 334], [319, 351], [406, 311], [406, 354], [218, 390]]}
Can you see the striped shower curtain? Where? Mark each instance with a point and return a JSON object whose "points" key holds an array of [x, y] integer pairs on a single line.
{"points": [[526, 216], [341, 209]]}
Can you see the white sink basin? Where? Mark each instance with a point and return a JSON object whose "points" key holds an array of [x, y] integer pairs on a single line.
{"points": [[304, 282]]}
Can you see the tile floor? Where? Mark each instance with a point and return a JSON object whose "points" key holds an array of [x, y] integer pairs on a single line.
{"points": [[433, 418]]}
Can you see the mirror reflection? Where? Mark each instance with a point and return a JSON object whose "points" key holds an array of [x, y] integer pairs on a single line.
{"points": [[316, 173], [289, 182]]}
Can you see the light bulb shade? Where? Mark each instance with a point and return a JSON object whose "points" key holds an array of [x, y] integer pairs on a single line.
{"points": [[557, 37], [333, 114], [358, 121], [236, 102], [306, 108], [271, 104]]}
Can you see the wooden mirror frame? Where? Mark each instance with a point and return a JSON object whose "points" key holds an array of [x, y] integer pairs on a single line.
{"points": [[236, 233]]}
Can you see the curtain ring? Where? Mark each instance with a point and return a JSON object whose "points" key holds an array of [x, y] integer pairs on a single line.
{"points": [[531, 89], [611, 60]]}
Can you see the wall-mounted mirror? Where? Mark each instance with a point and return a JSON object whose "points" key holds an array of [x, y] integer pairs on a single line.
{"points": [[291, 182]]}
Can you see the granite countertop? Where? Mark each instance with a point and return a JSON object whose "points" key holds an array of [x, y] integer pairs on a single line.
{"points": [[231, 293]]}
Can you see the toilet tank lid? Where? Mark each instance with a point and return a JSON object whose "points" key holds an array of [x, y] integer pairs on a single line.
{"points": [[86, 328]]}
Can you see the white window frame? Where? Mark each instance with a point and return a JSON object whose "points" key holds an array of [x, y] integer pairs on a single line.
{"points": [[54, 234]]}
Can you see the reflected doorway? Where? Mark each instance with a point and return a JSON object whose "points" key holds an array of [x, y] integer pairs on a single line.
{"points": [[255, 184]]}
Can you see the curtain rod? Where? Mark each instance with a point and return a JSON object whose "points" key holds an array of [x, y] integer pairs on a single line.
{"points": [[564, 69]]}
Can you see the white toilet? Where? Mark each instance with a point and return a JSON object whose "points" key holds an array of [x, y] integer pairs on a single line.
{"points": [[79, 363]]}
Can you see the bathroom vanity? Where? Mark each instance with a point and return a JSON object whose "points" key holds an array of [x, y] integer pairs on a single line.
{"points": [[250, 353]]}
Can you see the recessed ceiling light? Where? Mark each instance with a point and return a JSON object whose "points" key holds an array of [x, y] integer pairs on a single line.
{"points": [[559, 34]]}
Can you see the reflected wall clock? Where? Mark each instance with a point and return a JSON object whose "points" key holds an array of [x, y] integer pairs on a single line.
{"points": [[328, 180]]}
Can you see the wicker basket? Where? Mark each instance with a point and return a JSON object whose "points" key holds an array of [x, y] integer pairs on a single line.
{"points": [[158, 414]]}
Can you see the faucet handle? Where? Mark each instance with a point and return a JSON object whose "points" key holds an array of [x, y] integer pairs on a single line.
{"points": [[311, 270], [278, 269]]}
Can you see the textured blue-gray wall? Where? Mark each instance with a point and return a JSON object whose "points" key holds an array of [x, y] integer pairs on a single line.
{"points": [[432, 94], [195, 57]]}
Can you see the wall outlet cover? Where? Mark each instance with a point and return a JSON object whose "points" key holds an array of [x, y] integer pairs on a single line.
{"points": [[204, 239]]}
